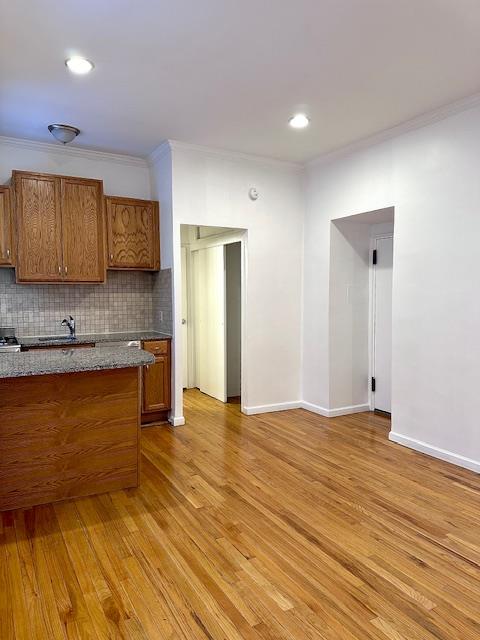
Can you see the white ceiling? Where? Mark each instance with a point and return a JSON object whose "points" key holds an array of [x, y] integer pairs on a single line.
{"points": [[229, 73]]}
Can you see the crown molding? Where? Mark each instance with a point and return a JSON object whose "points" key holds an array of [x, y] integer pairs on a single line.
{"points": [[418, 122], [159, 152], [236, 156], [167, 146], [78, 152]]}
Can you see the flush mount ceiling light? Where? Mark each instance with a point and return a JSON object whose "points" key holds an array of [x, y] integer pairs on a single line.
{"points": [[79, 65], [299, 121], [63, 132]]}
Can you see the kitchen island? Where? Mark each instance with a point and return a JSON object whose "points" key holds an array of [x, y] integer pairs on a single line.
{"points": [[69, 423]]}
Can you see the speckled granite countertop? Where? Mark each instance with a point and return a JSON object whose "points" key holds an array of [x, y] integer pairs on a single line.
{"points": [[95, 337], [38, 363]]}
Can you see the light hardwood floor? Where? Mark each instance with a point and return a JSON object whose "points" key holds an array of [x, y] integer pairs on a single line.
{"points": [[278, 526]]}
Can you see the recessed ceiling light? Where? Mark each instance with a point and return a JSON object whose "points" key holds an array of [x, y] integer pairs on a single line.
{"points": [[299, 121], [79, 65]]}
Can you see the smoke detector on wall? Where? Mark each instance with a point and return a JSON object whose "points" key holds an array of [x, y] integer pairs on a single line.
{"points": [[63, 132]]}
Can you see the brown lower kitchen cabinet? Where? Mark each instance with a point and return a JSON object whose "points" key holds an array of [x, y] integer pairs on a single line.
{"points": [[156, 383], [6, 237]]}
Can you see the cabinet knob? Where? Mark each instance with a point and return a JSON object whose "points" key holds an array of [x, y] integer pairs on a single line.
{"points": [[59, 270], [66, 270], [111, 257], [8, 253]]}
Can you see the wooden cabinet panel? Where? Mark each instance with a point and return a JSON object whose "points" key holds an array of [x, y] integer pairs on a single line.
{"points": [[82, 230], [60, 228], [133, 234], [38, 227], [68, 435], [158, 347], [156, 379], [6, 237]]}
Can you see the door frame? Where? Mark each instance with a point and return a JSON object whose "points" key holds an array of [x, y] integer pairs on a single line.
{"points": [[371, 312], [238, 235]]}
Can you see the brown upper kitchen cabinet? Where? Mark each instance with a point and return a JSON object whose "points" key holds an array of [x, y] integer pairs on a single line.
{"points": [[133, 234], [60, 228], [6, 238]]}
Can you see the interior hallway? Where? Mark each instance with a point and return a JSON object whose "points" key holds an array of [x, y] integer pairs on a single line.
{"points": [[283, 525]]}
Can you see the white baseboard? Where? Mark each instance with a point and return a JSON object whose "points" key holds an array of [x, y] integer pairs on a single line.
{"points": [[314, 408], [176, 421], [435, 452], [332, 413], [268, 408]]}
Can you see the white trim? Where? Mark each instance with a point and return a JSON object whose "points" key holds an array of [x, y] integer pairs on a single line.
{"points": [[418, 122], [231, 237], [237, 235], [333, 413], [423, 120], [235, 156], [435, 452], [176, 421], [308, 406], [78, 152], [270, 408], [158, 153]]}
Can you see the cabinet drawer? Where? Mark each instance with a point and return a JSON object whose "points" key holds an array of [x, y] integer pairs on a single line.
{"points": [[157, 347]]}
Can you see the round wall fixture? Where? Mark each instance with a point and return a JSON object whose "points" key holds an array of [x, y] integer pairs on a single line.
{"points": [[63, 132], [253, 194]]}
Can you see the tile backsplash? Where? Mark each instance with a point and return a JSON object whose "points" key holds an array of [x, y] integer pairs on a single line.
{"points": [[127, 301], [162, 301]]}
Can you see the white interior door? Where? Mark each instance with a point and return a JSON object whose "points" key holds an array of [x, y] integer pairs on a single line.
{"points": [[185, 376], [210, 330], [383, 324]]}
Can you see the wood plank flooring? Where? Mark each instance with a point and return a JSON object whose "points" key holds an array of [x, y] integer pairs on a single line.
{"points": [[278, 527]]}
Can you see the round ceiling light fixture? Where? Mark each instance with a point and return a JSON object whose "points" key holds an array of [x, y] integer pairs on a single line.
{"points": [[299, 121], [63, 132], [79, 65]]}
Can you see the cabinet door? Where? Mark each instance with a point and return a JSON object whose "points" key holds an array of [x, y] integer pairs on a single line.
{"points": [[133, 234], [82, 230], [156, 379], [38, 226], [6, 245]]}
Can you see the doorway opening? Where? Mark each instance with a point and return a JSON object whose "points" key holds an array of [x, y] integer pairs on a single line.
{"points": [[212, 310], [361, 268]]}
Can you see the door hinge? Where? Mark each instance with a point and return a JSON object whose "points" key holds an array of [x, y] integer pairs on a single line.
{"points": [[374, 384], [374, 257]]}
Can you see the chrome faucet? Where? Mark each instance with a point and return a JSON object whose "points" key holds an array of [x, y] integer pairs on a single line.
{"points": [[70, 323]]}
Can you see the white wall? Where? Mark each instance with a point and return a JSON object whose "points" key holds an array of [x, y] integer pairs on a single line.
{"points": [[211, 189], [162, 190], [121, 175], [349, 314], [430, 176]]}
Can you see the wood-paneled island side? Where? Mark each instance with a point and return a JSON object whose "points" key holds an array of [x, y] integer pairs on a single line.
{"points": [[69, 424]]}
